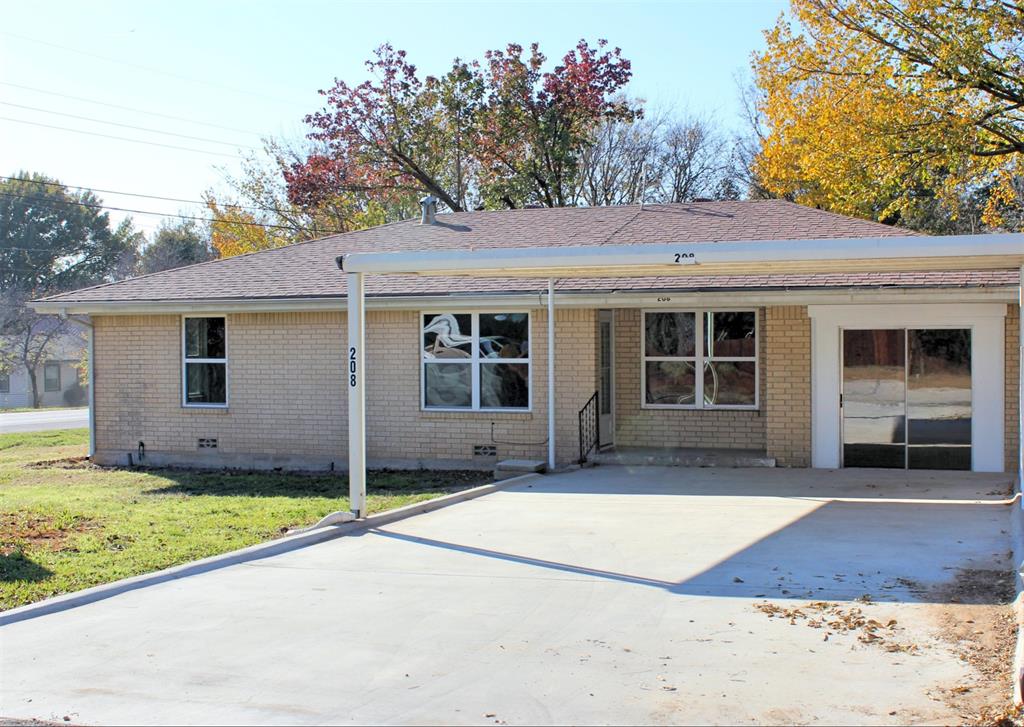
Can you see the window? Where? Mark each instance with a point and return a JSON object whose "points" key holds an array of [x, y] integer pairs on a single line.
{"points": [[476, 361], [721, 345], [51, 377], [205, 369], [5, 383]]}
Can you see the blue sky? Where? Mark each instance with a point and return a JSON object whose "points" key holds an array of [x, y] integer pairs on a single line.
{"points": [[238, 70]]}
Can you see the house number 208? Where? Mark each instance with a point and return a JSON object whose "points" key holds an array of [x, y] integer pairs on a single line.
{"points": [[352, 366]]}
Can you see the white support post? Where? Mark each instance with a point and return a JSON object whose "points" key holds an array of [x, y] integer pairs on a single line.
{"points": [[551, 374], [1020, 382], [354, 374]]}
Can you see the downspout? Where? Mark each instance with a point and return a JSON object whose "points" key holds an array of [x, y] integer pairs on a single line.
{"points": [[551, 374]]}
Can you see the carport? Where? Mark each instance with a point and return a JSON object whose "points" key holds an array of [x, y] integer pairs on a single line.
{"points": [[855, 255]]}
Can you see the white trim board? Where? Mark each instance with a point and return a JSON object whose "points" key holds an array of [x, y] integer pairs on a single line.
{"points": [[987, 324], [755, 297]]}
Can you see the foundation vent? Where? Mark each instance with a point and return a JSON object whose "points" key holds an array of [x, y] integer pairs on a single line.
{"points": [[207, 443], [485, 450]]}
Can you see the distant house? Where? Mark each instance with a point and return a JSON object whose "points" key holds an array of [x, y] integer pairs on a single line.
{"points": [[244, 362], [58, 378]]}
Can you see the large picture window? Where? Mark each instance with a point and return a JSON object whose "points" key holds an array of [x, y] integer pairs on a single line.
{"points": [[205, 365], [700, 359], [476, 361]]}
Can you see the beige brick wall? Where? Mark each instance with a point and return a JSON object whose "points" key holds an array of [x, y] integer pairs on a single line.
{"points": [[288, 398], [639, 427], [285, 391], [788, 389], [1012, 381]]}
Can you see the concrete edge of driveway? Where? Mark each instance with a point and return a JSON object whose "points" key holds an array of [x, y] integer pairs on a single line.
{"points": [[250, 553], [1017, 550]]}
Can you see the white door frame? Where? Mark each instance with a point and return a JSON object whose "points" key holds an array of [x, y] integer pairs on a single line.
{"points": [[987, 324], [607, 420]]}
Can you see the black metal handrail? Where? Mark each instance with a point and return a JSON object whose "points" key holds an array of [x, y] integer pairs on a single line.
{"points": [[590, 427]]}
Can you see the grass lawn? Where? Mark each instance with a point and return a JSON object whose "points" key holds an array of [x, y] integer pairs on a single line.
{"points": [[66, 525]]}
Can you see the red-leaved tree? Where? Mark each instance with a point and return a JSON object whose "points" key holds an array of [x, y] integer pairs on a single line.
{"points": [[503, 131]]}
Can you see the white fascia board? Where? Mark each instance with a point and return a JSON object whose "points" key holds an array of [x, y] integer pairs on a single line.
{"points": [[949, 252], [612, 299]]}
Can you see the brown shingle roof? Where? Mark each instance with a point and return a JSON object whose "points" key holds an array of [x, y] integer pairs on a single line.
{"points": [[308, 270]]}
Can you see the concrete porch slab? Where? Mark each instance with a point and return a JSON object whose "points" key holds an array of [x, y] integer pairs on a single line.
{"points": [[683, 457]]}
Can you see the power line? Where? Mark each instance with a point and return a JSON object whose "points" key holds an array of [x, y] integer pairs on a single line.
{"points": [[148, 69], [256, 208], [119, 138], [47, 201], [125, 126], [129, 108]]}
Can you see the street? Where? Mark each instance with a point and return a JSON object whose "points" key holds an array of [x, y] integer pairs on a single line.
{"points": [[38, 421]]}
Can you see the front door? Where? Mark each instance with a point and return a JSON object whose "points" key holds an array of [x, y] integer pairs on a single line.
{"points": [[906, 398], [606, 393]]}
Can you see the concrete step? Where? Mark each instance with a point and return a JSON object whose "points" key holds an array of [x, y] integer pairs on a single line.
{"points": [[507, 468], [683, 457]]}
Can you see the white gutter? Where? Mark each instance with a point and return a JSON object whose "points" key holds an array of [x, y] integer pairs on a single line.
{"points": [[566, 299], [863, 254]]}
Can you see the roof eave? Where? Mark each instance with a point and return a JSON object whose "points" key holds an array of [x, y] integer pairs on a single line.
{"points": [[707, 297]]}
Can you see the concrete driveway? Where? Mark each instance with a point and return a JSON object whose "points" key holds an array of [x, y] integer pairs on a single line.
{"points": [[38, 421], [603, 596]]}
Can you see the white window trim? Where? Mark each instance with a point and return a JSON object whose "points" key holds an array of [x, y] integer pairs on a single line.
{"points": [[474, 363], [988, 344], [185, 361], [699, 360]]}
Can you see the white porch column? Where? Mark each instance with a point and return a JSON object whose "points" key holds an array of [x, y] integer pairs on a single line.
{"points": [[356, 395], [1020, 382], [551, 374]]}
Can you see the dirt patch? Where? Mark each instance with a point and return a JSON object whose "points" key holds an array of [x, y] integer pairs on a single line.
{"points": [[19, 531], [64, 463], [975, 617]]}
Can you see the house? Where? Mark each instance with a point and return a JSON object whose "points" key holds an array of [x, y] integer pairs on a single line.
{"points": [[58, 376], [245, 362]]}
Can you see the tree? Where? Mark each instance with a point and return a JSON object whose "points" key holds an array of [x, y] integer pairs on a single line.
{"points": [[503, 130], [748, 141], [175, 245], [884, 108], [694, 159], [258, 214], [384, 136], [50, 240], [534, 126], [621, 165]]}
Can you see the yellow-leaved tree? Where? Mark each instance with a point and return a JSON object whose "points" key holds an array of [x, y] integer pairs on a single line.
{"points": [[879, 108], [256, 213]]}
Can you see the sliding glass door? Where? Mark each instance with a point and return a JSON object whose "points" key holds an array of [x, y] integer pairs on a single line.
{"points": [[906, 398]]}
